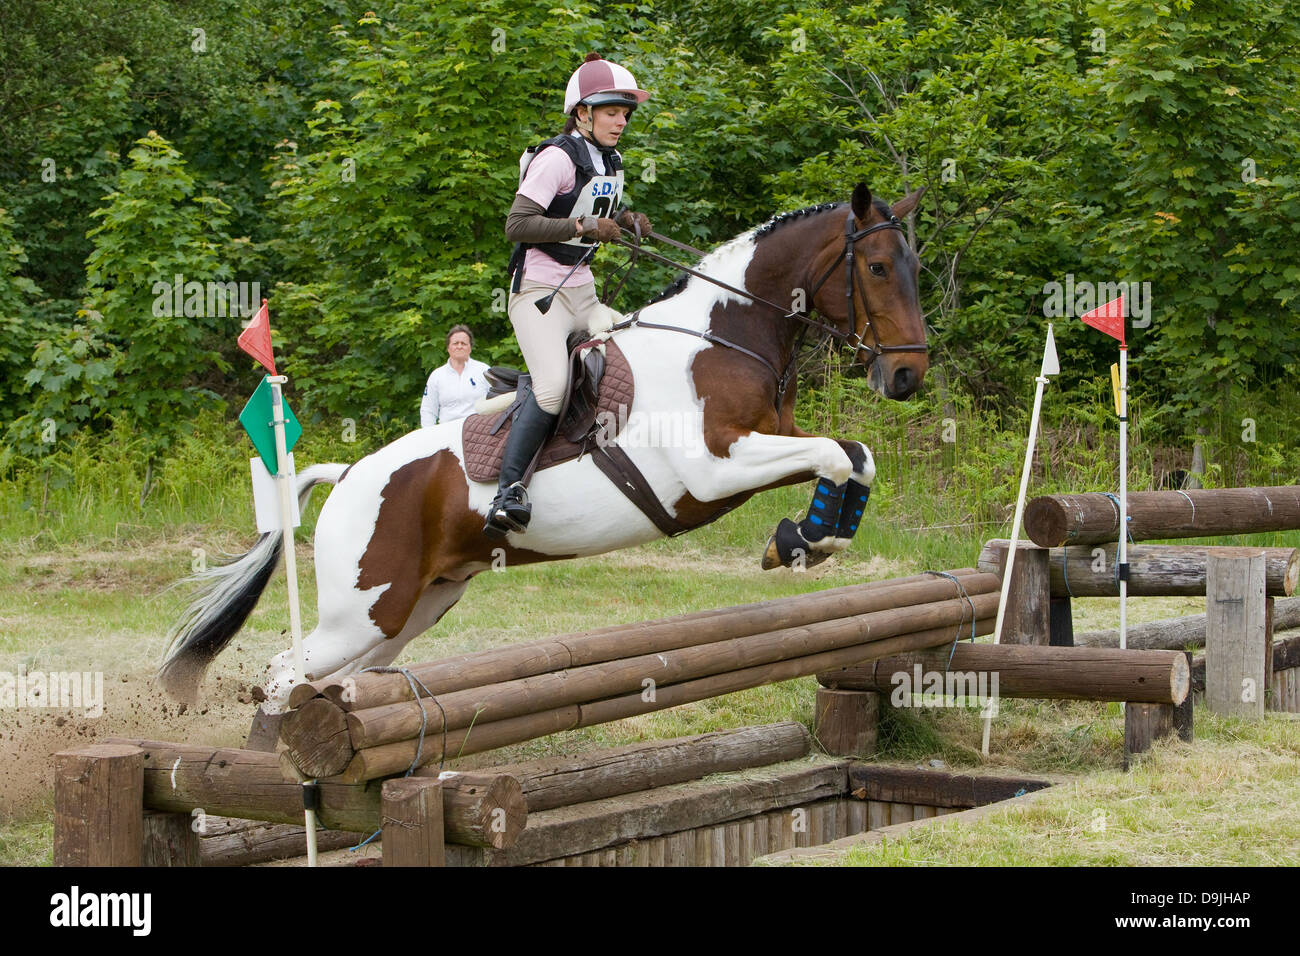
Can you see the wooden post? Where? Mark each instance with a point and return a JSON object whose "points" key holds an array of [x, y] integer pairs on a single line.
{"points": [[1235, 632], [1144, 724], [844, 722], [1028, 615], [169, 840], [412, 822], [99, 806], [1061, 622]]}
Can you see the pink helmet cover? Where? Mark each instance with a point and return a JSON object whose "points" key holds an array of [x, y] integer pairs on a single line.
{"points": [[601, 76]]}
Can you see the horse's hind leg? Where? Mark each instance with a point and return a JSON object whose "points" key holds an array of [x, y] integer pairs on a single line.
{"points": [[334, 649], [437, 599]]}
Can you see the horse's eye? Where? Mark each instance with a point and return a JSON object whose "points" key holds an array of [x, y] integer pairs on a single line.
{"points": [[877, 269]]}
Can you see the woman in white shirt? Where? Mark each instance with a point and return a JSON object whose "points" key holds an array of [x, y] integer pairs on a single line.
{"points": [[453, 388]]}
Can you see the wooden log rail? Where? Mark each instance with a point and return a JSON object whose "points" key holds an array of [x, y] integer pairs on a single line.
{"points": [[1055, 520], [480, 809], [1048, 673], [662, 667], [107, 791], [628, 640], [1154, 570], [1180, 632]]}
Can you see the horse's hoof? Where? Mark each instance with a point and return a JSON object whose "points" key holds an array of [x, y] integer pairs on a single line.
{"points": [[787, 547]]}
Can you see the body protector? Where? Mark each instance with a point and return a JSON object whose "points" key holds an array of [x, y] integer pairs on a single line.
{"points": [[594, 193]]}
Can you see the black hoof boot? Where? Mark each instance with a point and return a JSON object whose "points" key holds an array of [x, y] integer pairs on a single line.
{"points": [[855, 502], [787, 547]]}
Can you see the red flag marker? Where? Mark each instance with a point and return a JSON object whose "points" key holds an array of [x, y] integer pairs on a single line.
{"points": [[1108, 318], [256, 339]]}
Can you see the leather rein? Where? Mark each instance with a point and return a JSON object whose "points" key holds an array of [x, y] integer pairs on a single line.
{"points": [[852, 338]]}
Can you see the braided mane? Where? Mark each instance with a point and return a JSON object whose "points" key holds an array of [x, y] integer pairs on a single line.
{"points": [[771, 225], [782, 218]]}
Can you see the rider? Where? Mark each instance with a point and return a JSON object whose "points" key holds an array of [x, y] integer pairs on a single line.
{"points": [[567, 203]]}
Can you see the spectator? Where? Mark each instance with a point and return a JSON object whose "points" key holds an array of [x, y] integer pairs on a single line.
{"points": [[453, 388]]}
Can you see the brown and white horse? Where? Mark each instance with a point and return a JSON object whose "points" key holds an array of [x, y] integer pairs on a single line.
{"points": [[400, 537]]}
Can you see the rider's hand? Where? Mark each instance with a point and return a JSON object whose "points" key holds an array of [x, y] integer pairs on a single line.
{"points": [[607, 230], [630, 220]]}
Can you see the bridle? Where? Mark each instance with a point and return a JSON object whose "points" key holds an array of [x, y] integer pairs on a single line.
{"points": [[849, 338], [848, 258]]}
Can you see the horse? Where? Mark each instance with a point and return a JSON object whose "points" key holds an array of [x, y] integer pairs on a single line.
{"points": [[401, 534]]}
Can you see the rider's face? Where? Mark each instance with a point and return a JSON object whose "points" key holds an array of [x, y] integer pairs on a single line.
{"points": [[608, 123]]}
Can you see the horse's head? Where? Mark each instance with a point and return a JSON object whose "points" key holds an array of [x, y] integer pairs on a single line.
{"points": [[865, 285]]}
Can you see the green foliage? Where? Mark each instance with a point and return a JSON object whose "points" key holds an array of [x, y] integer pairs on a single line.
{"points": [[1203, 99], [391, 212], [974, 107], [18, 333], [165, 358], [365, 163]]}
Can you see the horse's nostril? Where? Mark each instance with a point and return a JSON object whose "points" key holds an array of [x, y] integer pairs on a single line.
{"points": [[904, 381]]}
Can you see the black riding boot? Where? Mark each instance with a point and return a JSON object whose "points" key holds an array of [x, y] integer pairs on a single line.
{"points": [[510, 510]]}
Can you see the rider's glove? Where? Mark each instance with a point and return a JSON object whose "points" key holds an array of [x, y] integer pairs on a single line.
{"points": [[631, 220]]}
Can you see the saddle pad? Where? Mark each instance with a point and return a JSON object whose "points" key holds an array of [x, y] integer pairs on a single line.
{"points": [[484, 451]]}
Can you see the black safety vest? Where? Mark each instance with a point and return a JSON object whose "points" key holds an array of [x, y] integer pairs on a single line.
{"points": [[562, 206]]}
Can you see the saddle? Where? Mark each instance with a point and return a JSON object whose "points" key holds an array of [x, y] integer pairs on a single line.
{"points": [[598, 399]]}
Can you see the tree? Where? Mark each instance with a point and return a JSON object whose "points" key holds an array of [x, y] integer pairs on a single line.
{"points": [[155, 227], [1202, 97]]}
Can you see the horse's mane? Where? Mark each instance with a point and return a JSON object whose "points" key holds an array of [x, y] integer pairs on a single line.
{"points": [[780, 219]]}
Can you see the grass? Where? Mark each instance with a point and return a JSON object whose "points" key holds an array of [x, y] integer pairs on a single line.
{"points": [[1229, 798]]}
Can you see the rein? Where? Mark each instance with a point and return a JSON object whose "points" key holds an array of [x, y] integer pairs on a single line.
{"points": [[851, 236]]}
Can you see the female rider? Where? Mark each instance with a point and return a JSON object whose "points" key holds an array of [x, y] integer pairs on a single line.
{"points": [[567, 203]]}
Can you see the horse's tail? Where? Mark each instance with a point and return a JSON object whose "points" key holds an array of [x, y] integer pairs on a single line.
{"points": [[225, 597]]}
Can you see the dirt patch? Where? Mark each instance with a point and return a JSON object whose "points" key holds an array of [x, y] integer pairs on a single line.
{"points": [[132, 707]]}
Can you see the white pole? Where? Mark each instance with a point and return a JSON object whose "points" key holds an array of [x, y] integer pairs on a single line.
{"points": [[1015, 533], [290, 562], [1123, 497]]}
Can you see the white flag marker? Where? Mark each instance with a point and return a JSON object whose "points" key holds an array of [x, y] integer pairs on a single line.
{"points": [[1050, 366]]}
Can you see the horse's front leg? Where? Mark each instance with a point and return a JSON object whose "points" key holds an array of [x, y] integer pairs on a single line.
{"points": [[832, 519], [743, 461]]}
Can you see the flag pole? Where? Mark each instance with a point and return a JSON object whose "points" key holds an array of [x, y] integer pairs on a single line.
{"points": [[1123, 496], [1050, 367], [282, 478], [256, 341]]}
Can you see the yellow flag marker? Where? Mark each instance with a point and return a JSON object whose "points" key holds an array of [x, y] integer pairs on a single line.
{"points": [[1114, 384]]}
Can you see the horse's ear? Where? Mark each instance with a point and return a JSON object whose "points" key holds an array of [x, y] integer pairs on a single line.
{"points": [[903, 208], [861, 202]]}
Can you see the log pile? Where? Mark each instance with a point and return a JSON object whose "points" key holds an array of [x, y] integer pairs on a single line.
{"points": [[1154, 570], [1047, 673], [373, 726], [1055, 520]]}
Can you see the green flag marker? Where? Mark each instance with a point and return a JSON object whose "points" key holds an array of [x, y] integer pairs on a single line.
{"points": [[256, 419]]}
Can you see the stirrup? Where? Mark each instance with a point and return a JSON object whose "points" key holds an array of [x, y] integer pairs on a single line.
{"points": [[509, 511]]}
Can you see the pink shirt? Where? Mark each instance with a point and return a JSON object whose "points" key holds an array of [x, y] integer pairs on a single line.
{"points": [[550, 173]]}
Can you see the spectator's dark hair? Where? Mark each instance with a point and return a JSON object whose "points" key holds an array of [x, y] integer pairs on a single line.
{"points": [[460, 328]]}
